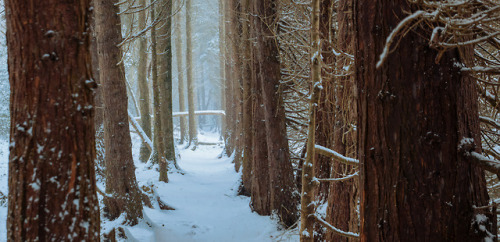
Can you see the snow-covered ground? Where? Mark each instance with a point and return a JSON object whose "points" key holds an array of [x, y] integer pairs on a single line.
{"points": [[4, 167], [205, 199]]}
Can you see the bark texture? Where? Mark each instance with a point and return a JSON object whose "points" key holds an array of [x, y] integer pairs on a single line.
{"points": [[120, 170], [282, 183], [247, 101], [142, 83], [413, 115], [193, 130], [165, 85], [260, 192], [52, 191], [343, 196], [180, 75]]}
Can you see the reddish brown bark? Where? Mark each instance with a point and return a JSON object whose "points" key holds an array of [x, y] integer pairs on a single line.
{"points": [[325, 113], [343, 196], [120, 170], [282, 183], [247, 101], [413, 114], [142, 83], [260, 191], [52, 191]]}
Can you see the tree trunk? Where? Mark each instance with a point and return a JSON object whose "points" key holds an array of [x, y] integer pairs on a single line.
{"points": [[325, 113], [261, 199], [222, 56], [165, 86], [281, 173], [180, 75], [247, 102], [52, 190], [229, 68], [343, 196], [158, 141], [142, 82], [415, 184], [193, 131], [98, 102], [120, 169]]}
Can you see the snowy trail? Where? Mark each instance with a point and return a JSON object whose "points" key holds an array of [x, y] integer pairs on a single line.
{"points": [[206, 203], [205, 198]]}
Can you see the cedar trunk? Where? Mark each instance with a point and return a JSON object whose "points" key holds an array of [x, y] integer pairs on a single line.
{"points": [[193, 131], [281, 178], [247, 101], [120, 170], [343, 196], [52, 190], [413, 115], [142, 82], [165, 85], [260, 190], [180, 75]]}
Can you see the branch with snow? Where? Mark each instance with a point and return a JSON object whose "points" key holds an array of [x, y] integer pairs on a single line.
{"points": [[204, 112], [345, 178], [140, 131], [335, 155], [335, 230]]}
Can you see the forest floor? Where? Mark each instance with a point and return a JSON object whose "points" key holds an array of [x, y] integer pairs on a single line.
{"points": [[207, 207]]}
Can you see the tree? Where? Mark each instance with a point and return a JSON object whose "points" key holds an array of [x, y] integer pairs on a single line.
{"points": [[416, 184], [343, 196], [142, 81], [247, 101], [52, 191], [193, 131], [282, 184], [180, 74], [165, 86], [121, 183]]}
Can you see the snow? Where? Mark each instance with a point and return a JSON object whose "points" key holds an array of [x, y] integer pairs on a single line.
{"points": [[205, 198], [4, 165], [206, 202]]}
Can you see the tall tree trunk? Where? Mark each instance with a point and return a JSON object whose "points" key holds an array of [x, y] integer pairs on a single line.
{"points": [[120, 169], [415, 184], [193, 131], [247, 102], [98, 102], [222, 65], [52, 191], [180, 74], [325, 113], [142, 82], [343, 196], [158, 141], [165, 86], [281, 173], [260, 191]]}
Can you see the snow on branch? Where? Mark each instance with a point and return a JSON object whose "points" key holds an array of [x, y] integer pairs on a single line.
{"points": [[467, 146], [489, 69], [345, 178], [335, 155], [335, 230], [140, 131], [452, 24], [489, 121], [204, 112], [486, 163], [393, 34]]}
